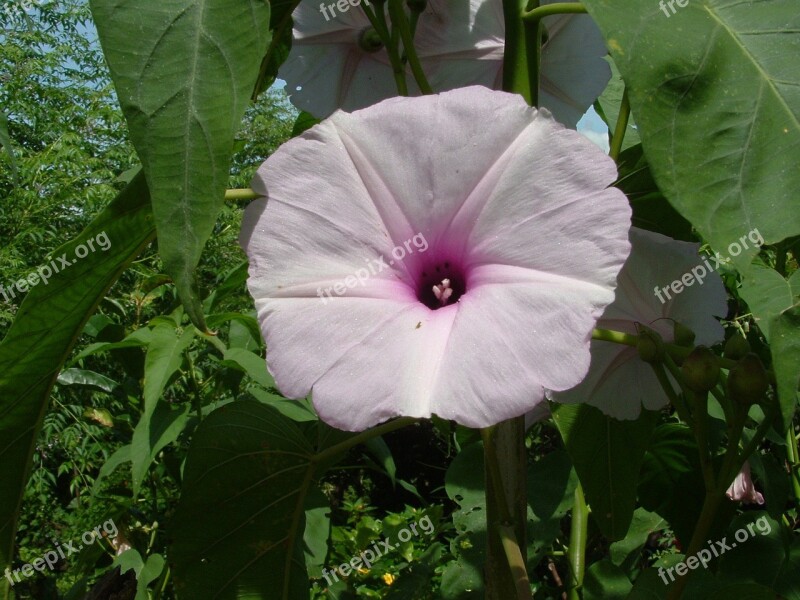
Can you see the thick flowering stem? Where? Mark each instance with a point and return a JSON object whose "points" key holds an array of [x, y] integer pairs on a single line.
{"points": [[506, 510], [577, 543], [557, 8], [622, 126], [522, 51], [400, 21]]}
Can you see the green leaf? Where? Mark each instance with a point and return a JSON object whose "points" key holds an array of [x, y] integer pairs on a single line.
{"points": [[785, 350], [163, 359], [46, 327], [317, 532], [304, 122], [378, 448], [279, 46], [605, 581], [184, 71], [625, 553], [465, 484], [650, 208], [250, 363], [608, 105], [5, 142], [775, 304], [607, 455], [153, 432], [758, 554], [297, 410], [238, 529], [83, 377], [146, 572], [714, 88], [768, 294]]}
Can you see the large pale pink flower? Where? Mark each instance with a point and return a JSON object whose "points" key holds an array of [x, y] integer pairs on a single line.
{"points": [[328, 68], [462, 43], [743, 490], [509, 239], [619, 383]]}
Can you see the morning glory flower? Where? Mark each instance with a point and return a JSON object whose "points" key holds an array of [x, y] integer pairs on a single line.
{"points": [[743, 490], [409, 260], [328, 66], [460, 44], [463, 43], [619, 383]]}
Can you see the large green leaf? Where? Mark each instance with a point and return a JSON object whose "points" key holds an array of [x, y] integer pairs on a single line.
{"points": [[607, 455], [239, 528], [715, 88], [49, 321], [184, 71]]}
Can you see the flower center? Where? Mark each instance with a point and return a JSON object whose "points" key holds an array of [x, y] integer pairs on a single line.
{"points": [[441, 285]]}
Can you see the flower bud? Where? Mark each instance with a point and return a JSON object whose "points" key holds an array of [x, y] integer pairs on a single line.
{"points": [[650, 347], [682, 335], [369, 40], [700, 369], [736, 347], [748, 380]]}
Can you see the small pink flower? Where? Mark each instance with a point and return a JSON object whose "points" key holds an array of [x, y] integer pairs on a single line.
{"points": [[409, 260], [743, 490], [464, 45], [619, 383]]}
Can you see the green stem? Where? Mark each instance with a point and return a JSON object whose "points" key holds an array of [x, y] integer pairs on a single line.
{"points": [[700, 412], [504, 503], [622, 126], [400, 21], [378, 21], [608, 335], [557, 8], [241, 194], [794, 461], [680, 406], [701, 531], [577, 543], [521, 55], [361, 438]]}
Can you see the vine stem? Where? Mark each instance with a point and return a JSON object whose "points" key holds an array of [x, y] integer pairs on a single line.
{"points": [[378, 21], [794, 461], [557, 8], [361, 438], [240, 194], [400, 21], [621, 128], [577, 543]]}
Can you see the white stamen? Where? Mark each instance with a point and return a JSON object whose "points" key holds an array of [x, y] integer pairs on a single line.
{"points": [[443, 291]]}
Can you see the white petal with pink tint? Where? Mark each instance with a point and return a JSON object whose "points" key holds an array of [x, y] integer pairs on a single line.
{"points": [[523, 243], [618, 382]]}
